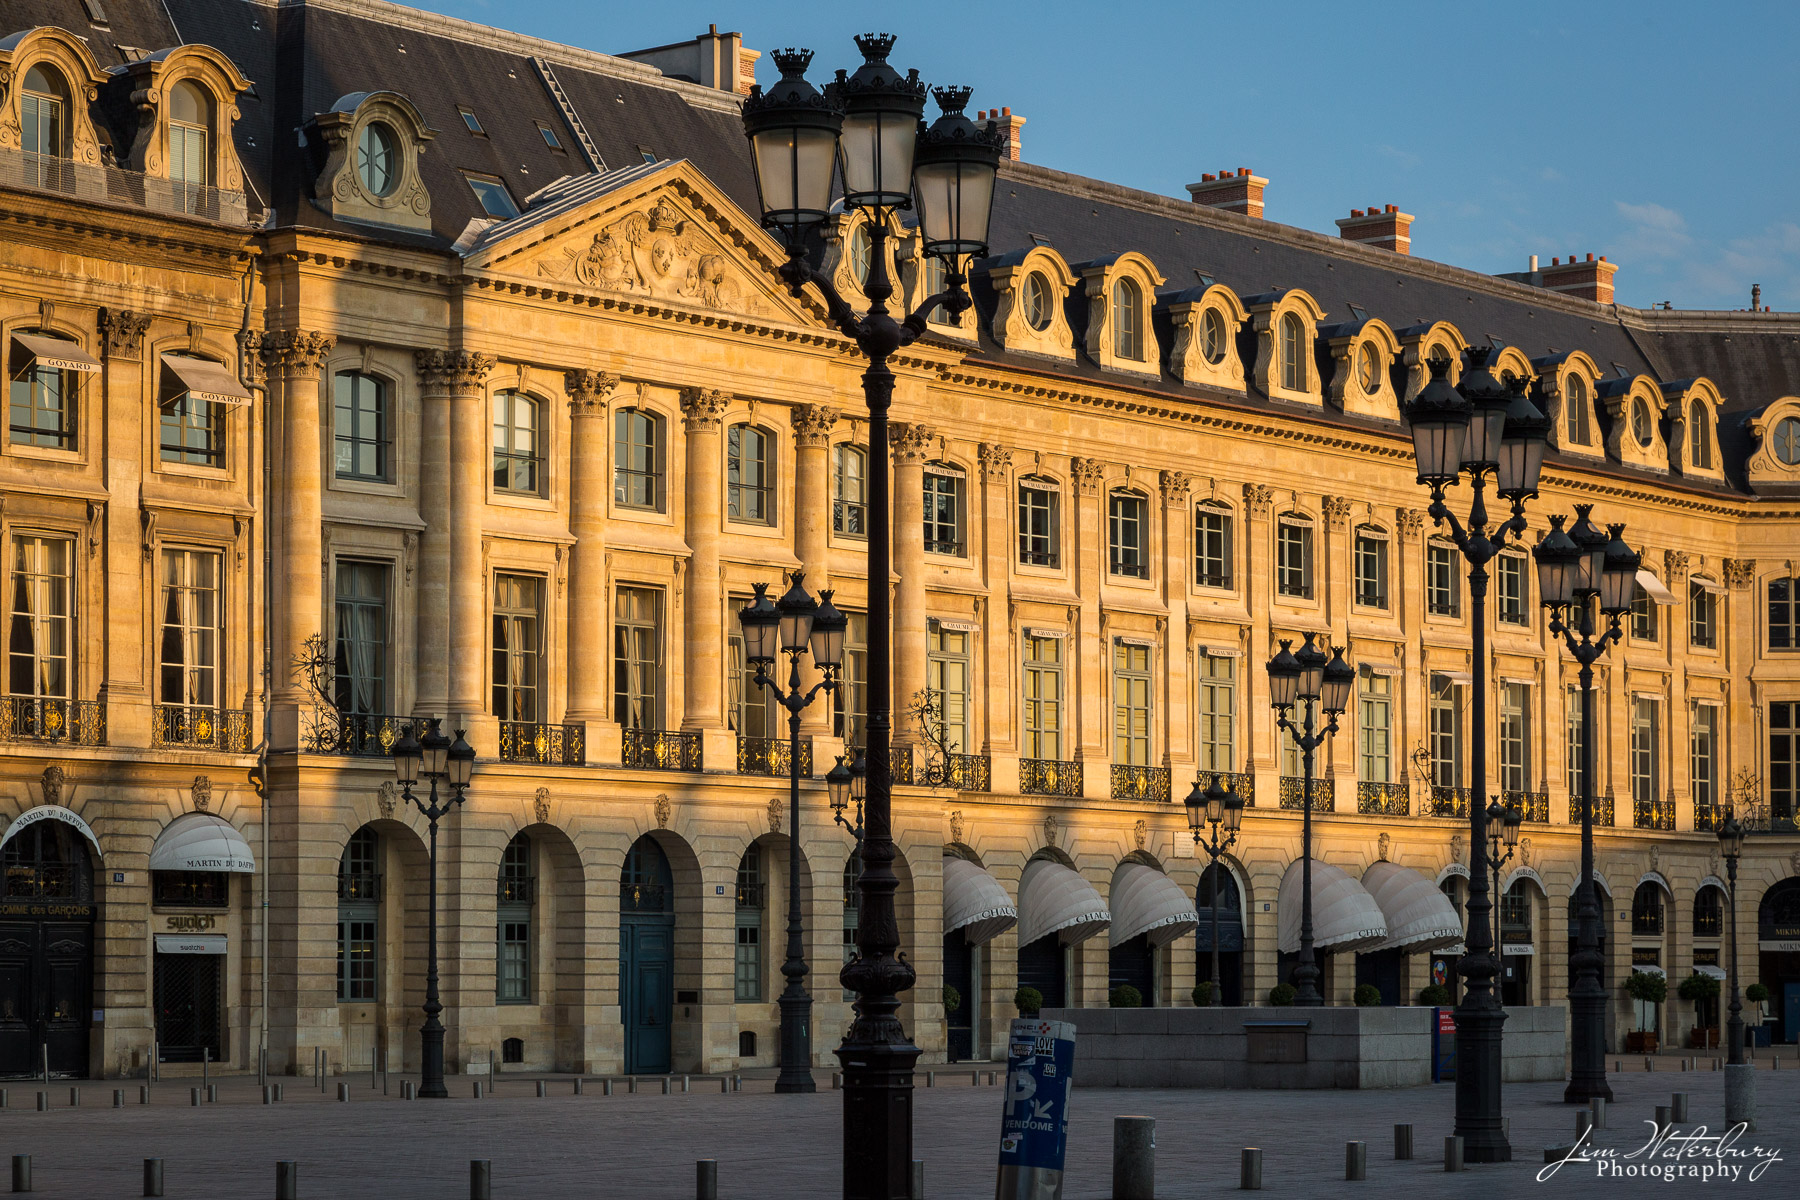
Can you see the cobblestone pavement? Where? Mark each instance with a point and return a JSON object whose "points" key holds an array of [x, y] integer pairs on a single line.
{"points": [[644, 1145]]}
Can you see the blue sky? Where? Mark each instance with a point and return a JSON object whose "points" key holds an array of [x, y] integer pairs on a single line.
{"points": [[1659, 134]]}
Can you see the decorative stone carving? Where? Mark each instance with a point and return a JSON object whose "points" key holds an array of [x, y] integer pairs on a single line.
{"points": [[201, 792], [663, 809], [250, 356], [910, 442], [956, 825], [1655, 859], [1050, 829], [1337, 511], [656, 253], [1524, 852], [453, 370], [1383, 842], [1140, 833], [1740, 573], [540, 806], [122, 332], [1675, 566], [812, 425], [589, 390], [1456, 847], [339, 188], [703, 408], [296, 353], [387, 798], [1257, 498], [1089, 474], [54, 778], [774, 814], [996, 460], [1410, 521], [1175, 486]]}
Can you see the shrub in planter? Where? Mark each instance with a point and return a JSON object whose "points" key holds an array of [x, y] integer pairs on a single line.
{"points": [[1028, 1000], [1282, 995], [1125, 996], [1642, 985], [1435, 994], [1366, 995], [952, 999], [1203, 993], [1698, 987], [1756, 993]]}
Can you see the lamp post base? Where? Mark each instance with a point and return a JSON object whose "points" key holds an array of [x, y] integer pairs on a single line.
{"points": [[1478, 1070], [1587, 1055], [1740, 1096], [431, 1063], [878, 1112], [796, 1046]]}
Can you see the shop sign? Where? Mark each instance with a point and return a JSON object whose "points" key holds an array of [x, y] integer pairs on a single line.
{"points": [[192, 924], [66, 909]]}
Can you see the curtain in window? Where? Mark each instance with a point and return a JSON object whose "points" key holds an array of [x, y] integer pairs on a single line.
{"points": [[38, 641], [362, 638], [190, 628]]}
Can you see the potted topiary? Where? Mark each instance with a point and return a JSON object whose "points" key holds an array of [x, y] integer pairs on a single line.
{"points": [[1203, 993], [1647, 991], [1282, 995], [1434, 995], [1028, 1000], [1697, 989], [1125, 996], [1366, 995], [952, 999], [1758, 995]]}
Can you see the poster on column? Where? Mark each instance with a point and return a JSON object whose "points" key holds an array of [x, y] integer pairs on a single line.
{"points": [[1034, 1126]]}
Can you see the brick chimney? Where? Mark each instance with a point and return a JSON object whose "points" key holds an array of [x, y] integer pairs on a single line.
{"points": [[1590, 280], [1387, 228], [1009, 129], [1239, 191]]}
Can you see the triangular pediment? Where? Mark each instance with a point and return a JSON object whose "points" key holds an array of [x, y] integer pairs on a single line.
{"points": [[659, 234]]}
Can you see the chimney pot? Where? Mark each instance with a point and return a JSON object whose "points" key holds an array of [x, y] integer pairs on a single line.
{"points": [[1603, 258], [1243, 170], [1533, 267], [1393, 208], [1556, 262], [1207, 178], [1356, 212], [1590, 256], [1006, 110]]}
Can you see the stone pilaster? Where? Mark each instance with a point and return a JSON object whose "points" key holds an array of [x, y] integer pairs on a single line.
{"points": [[294, 359], [911, 447], [703, 697], [1178, 690], [589, 485], [1091, 656], [812, 521], [129, 560], [1261, 757]]}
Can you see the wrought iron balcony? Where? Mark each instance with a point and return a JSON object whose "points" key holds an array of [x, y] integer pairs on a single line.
{"points": [[1383, 799], [1447, 802], [1654, 813], [964, 772], [643, 897], [193, 725], [663, 749], [1292, 794], [360, 735], [517, 890], [1708, 818], [1535, 805], [47, 719], [770, 756], [1140, 783], [1647, 922], [900, 764], [358, 886], [1603, 809], [1241, 782], [1050, 777], [531, 741], [115, 185]]}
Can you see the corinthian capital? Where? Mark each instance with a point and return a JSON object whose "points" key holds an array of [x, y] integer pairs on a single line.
{"points": [[589, 390], [453, 370], [812, 424], [297, 353], [910, 443], [703, 408]]}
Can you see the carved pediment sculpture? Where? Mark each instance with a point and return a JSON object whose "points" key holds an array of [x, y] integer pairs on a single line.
{"points": [[658, 254]]}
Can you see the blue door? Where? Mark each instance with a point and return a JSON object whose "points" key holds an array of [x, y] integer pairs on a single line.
{"points": [[647, 958], [1790, 1012]]}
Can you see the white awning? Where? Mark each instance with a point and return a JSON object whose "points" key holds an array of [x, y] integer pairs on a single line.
{"points": [[1345, 916], [205, 380], [190, 943], [1456, 676], [1709, 969], [51, 812], [974, 902], [1653, 585], [1146, 901], [59, 354], [1649, 969], [1419, 915], [1054, 899], [201, 842], [1706, 585]]}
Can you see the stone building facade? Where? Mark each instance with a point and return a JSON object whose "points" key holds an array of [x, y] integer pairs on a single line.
{"points": [[484, 402]]}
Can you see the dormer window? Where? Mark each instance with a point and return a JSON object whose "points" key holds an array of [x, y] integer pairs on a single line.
{"points": [[1786, 440], [496, 201], [1212, 336], [1128, 320], [1037, 301], [1368, 368], [376, 163], [1575, 391], [1641, 426], [472, 121], [1700, 437], [44, 113], [190, 134], [1293, 341]]}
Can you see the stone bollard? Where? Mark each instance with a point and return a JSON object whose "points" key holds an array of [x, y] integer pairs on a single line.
{"points": [[194, 1097], [917, 1180], [706, 1179], [684, 1085], [631, 1086], [543, 1089], [1402, 1142], [278, 1092], [974, 1078], [153, 1177], [665, 1083], [606, 1087], [991, 1076], [343, 1093], [837, 1081], [1662, 1119], [1356, 1160], [1647, 1064], [2, 1097], [118, 1097], [578, 1086], [143, 1093], [1678, 1107], [725, 1085], [406, 1090], [1597, 1106], [1250, 1170], [43, 1101], [1618, 1066], [1716, 1064], [287, 1180], [268, 1094], [931, 1079], [1453, 1154], [1134, 1158], [1584, 1125], [481, 1179], [21, 1172], [477, 1089], [212, 1093], [737, 1083], [74, 1097]]}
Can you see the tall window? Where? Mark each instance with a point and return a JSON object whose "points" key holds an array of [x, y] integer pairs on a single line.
{"points": [[518, 647], [1128, 535], [753, 710], [1515, 740], [1218, 713], [1293, 557], [1575, 391], [1709, 912], [850, 699], [637, 460], [850, 489], [1784, 761], [1371, 567], [1644, 764], [188, 667], [40, 640], [1572, 722], [42, 402], [1374, 726], [637, 658], [1037, 522], [852, 906], [1700, 436], [1043, 697], [1293, 349], [362, 439], [359, 895], [1512, 589], [1131, 704], [943, 510], [1703, 617], [1784, 614], [1703, 756], [1446, 731], [192, 428], [1128, 320], [1212, 545], [360, 658], [515, 896], [190, 129], [1443, 590], [517, 450], [1643, 614], [44, 121], [947, 677], [748, 969], [748, 468]]}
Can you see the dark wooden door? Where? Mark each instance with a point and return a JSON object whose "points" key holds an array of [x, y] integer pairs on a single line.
{"points": [[959, 973], [46, 996]]}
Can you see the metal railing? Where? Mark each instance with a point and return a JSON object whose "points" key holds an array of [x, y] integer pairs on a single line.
{"points": [[900, 764], [1708, 817], [1050, 777], [192, 725], [530, 741], [95, 181], [964, 772], [1140, 783], [662, 749], [770, 756], [1293, 791], [1654, 813], [517, 890], [1446, 802], [1384, 799], [359, 735], [1241, 782], [1647, 922], [48, 719], [1535, 805], [1131, 568], [358, 886], [1603, 810]]}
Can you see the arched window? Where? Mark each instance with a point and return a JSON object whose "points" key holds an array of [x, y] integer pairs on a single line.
{"points": [[637, 459], [1368, 368], [515, 897], [1641, 426], [862, 254], [1647, 910], [517, 451], [363, 440], [44, 113], [1575, 392], [1709, 913], [190, 136], [1128, 320], [850, 490], [359, 898], [1039, 306], [748, 969], [748, 469], [1700, 436], [378, 158], [1212, 336], [1293, 349], [42, 400]]}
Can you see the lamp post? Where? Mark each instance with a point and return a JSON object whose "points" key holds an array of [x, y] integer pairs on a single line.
{"points": [[436, 758], [1216, 806], [1503, 826], [869, 126], [1316, 684], [1740, 1077], [1482, 427], [1576, 572], [847, 785], [791, 626]]}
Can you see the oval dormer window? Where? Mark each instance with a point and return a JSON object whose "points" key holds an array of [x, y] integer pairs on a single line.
{"points": [[1037, 301], [1368, 368], [1212, 336], [376, 160], [1640, 422]]}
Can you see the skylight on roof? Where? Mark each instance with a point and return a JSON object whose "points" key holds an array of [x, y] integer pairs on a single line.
{"points": [[1359, 312], [647, 154], [471, 120], [550, 138], [1205, 279], [1038, 239], [496, 201]]}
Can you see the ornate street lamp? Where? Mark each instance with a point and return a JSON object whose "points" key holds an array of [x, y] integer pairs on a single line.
{"points": [[435, 757], [1215, 806], [1481, 427], [1503, 827], [1572, 580], [798, 139], [1740, 1077], [1316, 684], [793, 625], [847, 786]]}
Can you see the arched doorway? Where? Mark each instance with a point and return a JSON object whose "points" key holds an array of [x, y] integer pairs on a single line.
{"points": [[539, 914], [1649, 926], [1778, 960], [381, 916], [1519, 909], [976, 909], [647, 957], [46, 950], [1229, 931]]}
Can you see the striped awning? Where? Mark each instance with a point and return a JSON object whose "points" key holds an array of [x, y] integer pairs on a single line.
{"points": [[974, 902], [1345, 916], [1419, 916], [1054, 899], [1146, 901]]}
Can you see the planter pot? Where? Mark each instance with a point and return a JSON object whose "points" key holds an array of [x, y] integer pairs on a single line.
{"points": [[1704, 1037], [1640, 1042]]}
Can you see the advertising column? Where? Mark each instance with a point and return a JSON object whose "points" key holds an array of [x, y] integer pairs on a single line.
{"points": [[1040, 1061]]}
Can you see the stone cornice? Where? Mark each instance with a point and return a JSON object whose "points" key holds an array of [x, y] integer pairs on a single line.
{"points": [[125, 224]]}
